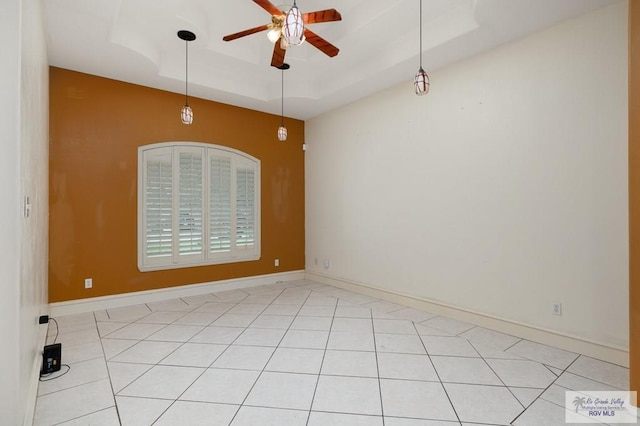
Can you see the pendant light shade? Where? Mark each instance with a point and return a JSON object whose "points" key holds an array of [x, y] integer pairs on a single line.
{"points": [[293, 27], [282, 133], [421, 80], [282, 130], [186, 115]]}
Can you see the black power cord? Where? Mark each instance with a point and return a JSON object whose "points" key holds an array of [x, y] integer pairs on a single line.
{"points": [[56, 376], [57, 330]]}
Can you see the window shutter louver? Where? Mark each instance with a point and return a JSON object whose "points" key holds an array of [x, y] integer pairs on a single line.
{"points": [[220, 205], [245, 208], [159, 206], [190, 206]]}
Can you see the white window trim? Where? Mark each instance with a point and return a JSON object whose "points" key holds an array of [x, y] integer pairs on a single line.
{"points": [[176, 261]]}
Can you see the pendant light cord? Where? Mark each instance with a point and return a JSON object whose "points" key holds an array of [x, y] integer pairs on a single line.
{"points": [[420, 34], [186, 78], [282, 99]]}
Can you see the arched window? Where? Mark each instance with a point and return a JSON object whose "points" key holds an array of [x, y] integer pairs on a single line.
{"points": [[198, 204]]}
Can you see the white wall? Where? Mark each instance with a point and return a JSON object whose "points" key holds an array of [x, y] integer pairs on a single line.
{"points": [[34, 175], [9, 194], [501, 191], [23, 171]]}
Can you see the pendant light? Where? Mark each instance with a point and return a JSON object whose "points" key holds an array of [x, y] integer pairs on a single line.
{"points": [[421, 82], [293, 27], [282, 130], [186, 114]]}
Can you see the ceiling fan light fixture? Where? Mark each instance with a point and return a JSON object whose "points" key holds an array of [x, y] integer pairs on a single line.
{"points": [[288, 27], [293, 27], [274, 34]]}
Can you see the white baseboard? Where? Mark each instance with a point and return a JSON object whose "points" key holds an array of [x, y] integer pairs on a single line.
{"points": [[126, 299], [615, 355], [32, 395]]}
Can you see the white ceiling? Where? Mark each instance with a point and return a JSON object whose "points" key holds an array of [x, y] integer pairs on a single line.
{"points": [[135, 41]]}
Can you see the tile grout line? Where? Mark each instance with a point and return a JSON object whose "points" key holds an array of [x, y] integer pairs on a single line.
{"points": [[324, 354], [113, 394], [552, 372], [510, 346], [499, 378], [438, 375], [375, 348], [541, 393], [85, 415]]}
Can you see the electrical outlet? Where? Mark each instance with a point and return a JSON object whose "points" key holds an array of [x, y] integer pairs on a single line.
{"points": [[26, 206], [556, 308], [88, 282], [326, 264], [276, 262]]}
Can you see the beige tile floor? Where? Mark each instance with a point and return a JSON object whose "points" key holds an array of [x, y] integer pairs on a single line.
{"points": [[303, 353]]}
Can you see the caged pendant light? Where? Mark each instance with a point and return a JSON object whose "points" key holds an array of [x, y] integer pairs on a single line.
{"points": [[282, 130], [186, 114], [421, 81], [293, 27]]}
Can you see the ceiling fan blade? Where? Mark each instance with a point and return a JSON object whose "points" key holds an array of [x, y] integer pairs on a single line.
{"points": [[245, 33], [278, 55], [328, 15], [268, 6], [320, 43]]}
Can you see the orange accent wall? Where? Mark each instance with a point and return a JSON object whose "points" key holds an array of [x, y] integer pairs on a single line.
{"points": [[634, 193], [96, 127]]}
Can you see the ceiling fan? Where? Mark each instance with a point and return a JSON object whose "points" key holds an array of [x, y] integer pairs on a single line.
{"points": [[275, 31]]}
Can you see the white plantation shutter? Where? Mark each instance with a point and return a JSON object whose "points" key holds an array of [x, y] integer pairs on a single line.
{"points": [[199, 204], [190, 204], [245, 208], [220, 204], [158, 204]]}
